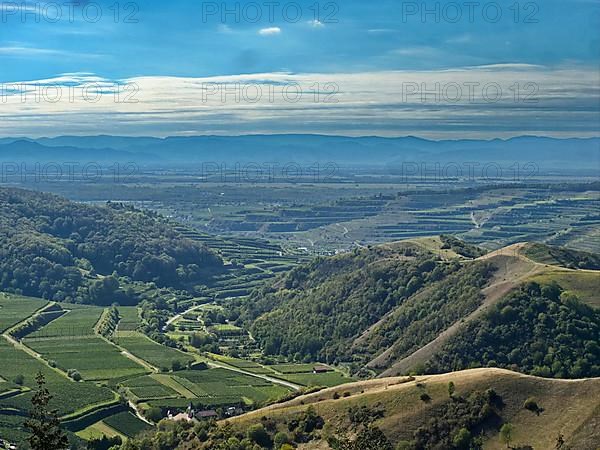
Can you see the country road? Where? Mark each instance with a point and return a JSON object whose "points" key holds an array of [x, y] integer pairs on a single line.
{"points": [[180, 315], [293, 386]]}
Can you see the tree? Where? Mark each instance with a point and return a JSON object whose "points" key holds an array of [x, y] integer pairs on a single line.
{"points": [[370, 438], [19, 379], [258, 434], [531, 405], [462, 439], [154, 414], [451, 389], [281, 439], [43, 423], [506, 433]]}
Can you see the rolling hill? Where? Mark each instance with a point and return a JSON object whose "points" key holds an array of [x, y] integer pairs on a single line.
{"points": [[413, 307], [417, 413], [65, 251]]}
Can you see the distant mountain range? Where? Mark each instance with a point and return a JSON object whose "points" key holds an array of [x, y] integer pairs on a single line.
{"points": [[545, 152]]}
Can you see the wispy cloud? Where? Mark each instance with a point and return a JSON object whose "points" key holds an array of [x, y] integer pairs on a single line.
{"points": [[316, 23], [224, 29], [23, 51], [381, 30], [461, 39]]}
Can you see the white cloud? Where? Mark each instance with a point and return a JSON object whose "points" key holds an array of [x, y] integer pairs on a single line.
{"points": [[269, 31], [316, 23], [368, 103], [381, 31]]}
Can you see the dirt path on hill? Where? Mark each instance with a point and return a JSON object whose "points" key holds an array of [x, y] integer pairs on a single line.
{"points": [[511, 272]]}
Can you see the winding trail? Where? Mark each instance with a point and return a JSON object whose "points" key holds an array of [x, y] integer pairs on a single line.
{"points": [[513, 268]]}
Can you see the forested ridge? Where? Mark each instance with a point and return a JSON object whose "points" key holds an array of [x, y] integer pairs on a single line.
{"points": [[319, 309], [65, 251], [539, 330]]}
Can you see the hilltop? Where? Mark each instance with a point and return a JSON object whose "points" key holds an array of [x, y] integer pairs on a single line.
{"points": [[404, 412]]}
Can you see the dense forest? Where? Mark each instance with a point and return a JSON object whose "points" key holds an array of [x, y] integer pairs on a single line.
{"points": [[65, 251], [421, 318], [539, 330], [318, 310]]}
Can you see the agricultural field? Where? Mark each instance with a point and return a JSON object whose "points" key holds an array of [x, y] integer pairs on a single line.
{"points": [[14, 309], [216, 387], [155, 354], [70, 343], [92, 356], [78, 321], [326, 379], [147, 387], [69, 396], [127, 424], [272, 226], [299, 374], [130, 318]]}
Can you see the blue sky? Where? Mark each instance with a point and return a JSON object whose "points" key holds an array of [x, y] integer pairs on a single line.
{"points": [[192, 39]]}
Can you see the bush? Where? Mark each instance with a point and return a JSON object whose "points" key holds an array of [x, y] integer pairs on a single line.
{"points": [[425, 397], [153, 414], [531, 405], [74, 374], [19, 379], [281, 439], [259, 435]]}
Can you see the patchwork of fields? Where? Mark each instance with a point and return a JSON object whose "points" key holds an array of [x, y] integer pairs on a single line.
{"points": [[298, 374], [133, 365], [70, 343]]}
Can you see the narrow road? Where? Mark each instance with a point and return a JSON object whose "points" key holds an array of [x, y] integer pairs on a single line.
{"points": [[138, 413], [273, 380], [180, 315]]}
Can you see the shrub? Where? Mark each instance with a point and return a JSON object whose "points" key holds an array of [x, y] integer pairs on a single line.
{"points": [[531, 405], [281, 439], [259, 435], [153, 414], [74, 374], [19, 379]]}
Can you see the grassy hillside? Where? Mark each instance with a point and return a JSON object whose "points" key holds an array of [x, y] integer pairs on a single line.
{"points": [[560, 256], [403, 411], [416, 413]]}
